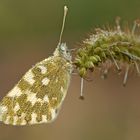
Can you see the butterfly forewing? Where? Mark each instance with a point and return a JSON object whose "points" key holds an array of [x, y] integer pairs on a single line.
{"points": [[39, 94]]}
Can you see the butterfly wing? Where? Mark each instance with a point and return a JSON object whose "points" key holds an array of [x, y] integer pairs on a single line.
{"points": [[39, 94]]}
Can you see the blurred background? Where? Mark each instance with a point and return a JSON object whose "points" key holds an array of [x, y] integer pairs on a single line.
{"points": [[29, 32]]}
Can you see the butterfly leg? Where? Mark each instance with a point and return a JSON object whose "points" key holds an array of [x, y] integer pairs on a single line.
{"points": [[81, 92], [137, 67], [126, 75]]}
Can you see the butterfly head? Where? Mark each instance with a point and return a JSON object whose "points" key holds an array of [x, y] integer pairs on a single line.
{"points": [[63, 51]]}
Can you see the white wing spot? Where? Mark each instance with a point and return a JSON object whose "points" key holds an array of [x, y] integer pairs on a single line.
{"points": [[7, 120], [17, 107], [47, 59], [23, 122], [29, 77], [33, 121], [15, 92], [45, 81], [53, 113], [3, 109], [39, 100], [44, 118], [23, 115], [43, 69], [15, 120], [46, 99], [62, 89], [31, 97]]}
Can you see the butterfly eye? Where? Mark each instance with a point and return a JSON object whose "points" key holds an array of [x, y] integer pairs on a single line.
{"points": [[68, 50], [63, 48]]}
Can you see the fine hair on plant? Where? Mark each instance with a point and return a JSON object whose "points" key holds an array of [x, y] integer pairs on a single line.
{"points": [[109, 47]]}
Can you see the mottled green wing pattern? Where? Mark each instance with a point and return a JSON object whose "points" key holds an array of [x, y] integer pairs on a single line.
{"points": [[39, 94]]}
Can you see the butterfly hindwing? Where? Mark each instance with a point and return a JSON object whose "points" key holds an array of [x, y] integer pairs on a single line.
{"points": [[39, 94]]}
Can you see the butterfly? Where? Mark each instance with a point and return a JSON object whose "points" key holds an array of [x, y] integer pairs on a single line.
{"points": [[38, 96]]}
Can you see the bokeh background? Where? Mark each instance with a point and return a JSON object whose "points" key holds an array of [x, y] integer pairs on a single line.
{"points": [[29, 32]]}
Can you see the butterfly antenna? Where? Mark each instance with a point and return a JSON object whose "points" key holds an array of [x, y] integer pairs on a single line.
{"points": [[137, 68], [63, 24]]}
